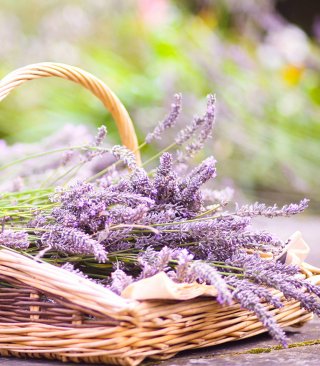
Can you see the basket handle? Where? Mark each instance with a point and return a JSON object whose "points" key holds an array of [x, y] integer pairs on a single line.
{"points": [[90, 82]]}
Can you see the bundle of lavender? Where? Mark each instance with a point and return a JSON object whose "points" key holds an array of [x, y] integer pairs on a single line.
{"points": [[123, 225]]}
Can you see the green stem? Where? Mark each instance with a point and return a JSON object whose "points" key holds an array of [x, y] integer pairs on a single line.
{"points": [[159, 154], [26, 212], [51, 152], [79, 167], [207, 212], [25, 228], [47, 180], [63, 175], [104, 171], [37, 197]]}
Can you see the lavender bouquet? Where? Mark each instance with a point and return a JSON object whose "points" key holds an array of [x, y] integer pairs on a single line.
{"points": [[123, 223]]}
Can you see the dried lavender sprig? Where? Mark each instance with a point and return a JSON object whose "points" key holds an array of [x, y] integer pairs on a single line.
{"points": [[197, 144], [102, 133], [98, 140], [14, 239], [127, 156], [153, 262], [258, 240], [186, 133], [122, 214], [271, 211], [210, 275], [73, 241], [166, 180], [250, 301], [141, 183], [191, 194], [120, 280], [280, 276], [66, 156], [182, 270], [169, 120], [256, 289]]}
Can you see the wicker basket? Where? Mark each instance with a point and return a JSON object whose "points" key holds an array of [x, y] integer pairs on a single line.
{"points": [[87, 322]]}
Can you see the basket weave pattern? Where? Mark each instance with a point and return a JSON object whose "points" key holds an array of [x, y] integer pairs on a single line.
{"points": [[48, 312], [89, 323]]}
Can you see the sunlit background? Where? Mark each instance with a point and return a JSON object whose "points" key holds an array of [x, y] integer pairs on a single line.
{"points": [[260, 58]]}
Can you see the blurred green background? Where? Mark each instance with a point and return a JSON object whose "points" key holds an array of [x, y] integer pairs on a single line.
{"points": [[263, 68]]}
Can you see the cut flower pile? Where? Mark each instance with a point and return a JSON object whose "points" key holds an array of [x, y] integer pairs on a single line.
{"points": [[123, 225]]}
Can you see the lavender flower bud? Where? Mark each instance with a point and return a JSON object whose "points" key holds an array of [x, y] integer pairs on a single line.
{"points": [[196, 145], [73, 241], [250, 301], [271, 211], [14, 239], [185, 134], [210, 275], [127, 156], [90, 154], [120, 281], [66, 156], [102, 133], [183, 267], [169, 120]]}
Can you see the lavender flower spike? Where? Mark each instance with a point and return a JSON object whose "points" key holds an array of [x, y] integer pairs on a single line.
{"points": [[210, 275], [122, 153], [185, 134], [120, 281], [14, 239], [102, 133], [169, 120], [73, 241], [271, 211], [90, 154], [197, 144]]}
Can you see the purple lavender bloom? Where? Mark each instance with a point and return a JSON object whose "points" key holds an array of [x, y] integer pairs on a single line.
{"points": [[250, 300], [90, 154], [14, 239], [66, 157], [258, 240], [120, 281], [102, 133], [153, 262], [281, 277], [127, 215], [141, 183], [259, 291], [73, 241], [185, 134], [271, 211], [207, 273], [197, 144], [183, 268], [127, 156], [169, 120], [166, 181], [191, 194]]}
